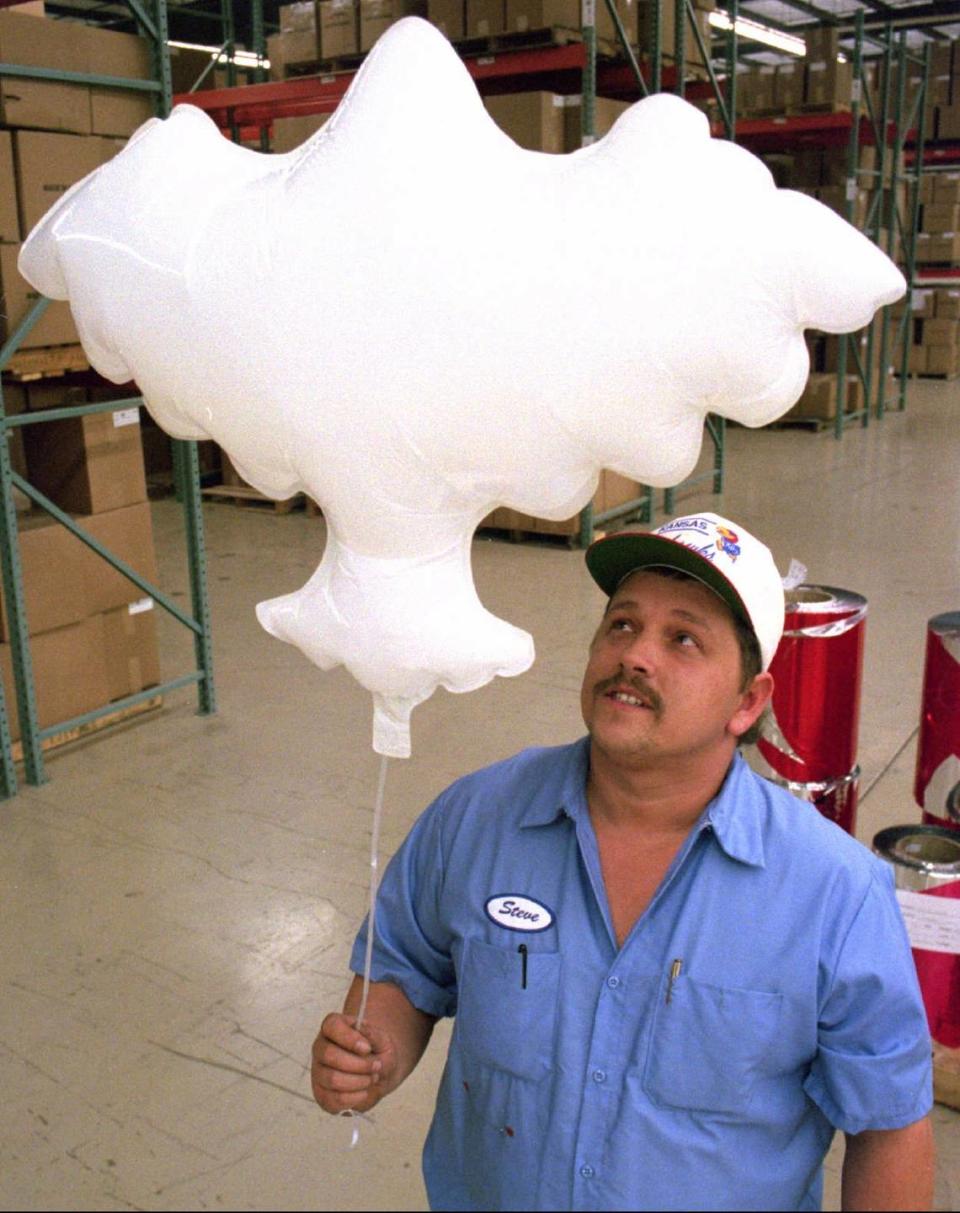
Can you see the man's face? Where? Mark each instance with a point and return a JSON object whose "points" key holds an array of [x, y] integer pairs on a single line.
{"points": [[664, 675]]}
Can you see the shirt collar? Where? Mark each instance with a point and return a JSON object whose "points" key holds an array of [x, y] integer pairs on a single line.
{"points": [[733, 815]]}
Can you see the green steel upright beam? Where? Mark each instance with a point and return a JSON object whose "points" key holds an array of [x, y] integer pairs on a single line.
{"points": [[680, 45], [915, 179], [852, 186], [733, 11], [12, 573]]}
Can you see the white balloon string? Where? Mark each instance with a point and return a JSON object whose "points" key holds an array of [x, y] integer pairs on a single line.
{"points": [[374, 873], [371, 925]]}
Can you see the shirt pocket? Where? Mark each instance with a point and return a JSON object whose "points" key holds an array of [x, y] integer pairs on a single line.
{"points": [[709, 1046], [507, 1008]]}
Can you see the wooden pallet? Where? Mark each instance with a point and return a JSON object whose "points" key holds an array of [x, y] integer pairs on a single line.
{"points": [[46, 362], [81, 732], [245, 494], [946, 1075]]}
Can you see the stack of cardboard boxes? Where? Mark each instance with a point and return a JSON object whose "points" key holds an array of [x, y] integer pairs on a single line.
{"points": [[818, 82], [93, 635], [938, 241], [942, 118], [934, 332]]}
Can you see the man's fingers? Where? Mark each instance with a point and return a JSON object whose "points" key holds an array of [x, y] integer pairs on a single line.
{"points": [[336, 1058], [341, 1031], [337, 1080]]}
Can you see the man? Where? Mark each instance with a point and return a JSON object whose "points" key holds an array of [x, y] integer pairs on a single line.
{"points": [[672, 981]]}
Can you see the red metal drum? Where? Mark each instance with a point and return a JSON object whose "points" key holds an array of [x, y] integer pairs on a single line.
{"points": [[937, 783], [809, 734], [926, 863]]}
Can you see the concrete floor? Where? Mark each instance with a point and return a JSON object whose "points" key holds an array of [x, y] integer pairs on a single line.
{"points": [[181, 896]]}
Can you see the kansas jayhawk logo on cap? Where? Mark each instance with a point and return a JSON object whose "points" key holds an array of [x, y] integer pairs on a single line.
{"points": [[728, 542]]}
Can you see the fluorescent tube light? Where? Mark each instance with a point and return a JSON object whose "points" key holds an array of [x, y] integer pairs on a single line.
{"points": [[756, 32], [240, 58]]}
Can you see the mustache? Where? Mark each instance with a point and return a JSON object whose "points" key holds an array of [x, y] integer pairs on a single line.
{"points": [[642, 688]]}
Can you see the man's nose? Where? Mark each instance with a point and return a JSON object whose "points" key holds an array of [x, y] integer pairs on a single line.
{"points": [[638, 657]]}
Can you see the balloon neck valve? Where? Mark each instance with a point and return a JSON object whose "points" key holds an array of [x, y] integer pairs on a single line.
{"points": [[391, 725]]}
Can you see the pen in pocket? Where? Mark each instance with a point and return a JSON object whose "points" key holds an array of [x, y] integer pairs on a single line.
{"points": [[523, 965], [674, 974]]}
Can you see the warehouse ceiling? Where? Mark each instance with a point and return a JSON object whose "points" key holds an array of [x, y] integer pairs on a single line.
{"points": [[200, 21]]}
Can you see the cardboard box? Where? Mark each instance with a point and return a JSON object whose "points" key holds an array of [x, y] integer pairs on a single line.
{"points": [[298, 18], [449, 16], [69, 674], [9, 217], [300, 46], [43, 104], [47, 166], [605, 113], [376, 17], [819, 399], [947, 304], [129, 645], [532, 120], [486, 17], [291, 133], [128, 533], [339, 28], [948, 121], [941, 249], [116, 111], [612, 490], [788, 86], [55, 326], [946, 188], [54, 585], [524, 15], [823, 43], [829, 83], [942, 360], [89, 464], [940, 332], [942, 217]]}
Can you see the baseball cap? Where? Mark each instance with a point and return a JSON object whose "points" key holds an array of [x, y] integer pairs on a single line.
{"points": [[717, 552]]}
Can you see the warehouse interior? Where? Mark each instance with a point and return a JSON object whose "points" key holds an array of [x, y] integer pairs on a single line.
{"points": [[188, 803]]}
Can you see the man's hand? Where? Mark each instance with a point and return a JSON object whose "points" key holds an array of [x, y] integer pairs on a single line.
{"points": [[351, 1070]]}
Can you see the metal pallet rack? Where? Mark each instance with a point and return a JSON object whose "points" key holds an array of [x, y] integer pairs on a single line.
{"points": [[151, 18]]}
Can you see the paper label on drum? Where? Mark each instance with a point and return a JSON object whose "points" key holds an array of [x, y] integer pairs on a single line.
{"points": [[933, 923]]}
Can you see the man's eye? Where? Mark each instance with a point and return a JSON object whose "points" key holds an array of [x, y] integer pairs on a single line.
{"points": [[620, 625], [686, 640]]}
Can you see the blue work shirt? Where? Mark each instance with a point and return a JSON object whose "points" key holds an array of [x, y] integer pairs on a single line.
{"points": [[765, 997]]}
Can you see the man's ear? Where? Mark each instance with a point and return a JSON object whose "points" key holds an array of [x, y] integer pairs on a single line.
{"points": [[752, 702]]}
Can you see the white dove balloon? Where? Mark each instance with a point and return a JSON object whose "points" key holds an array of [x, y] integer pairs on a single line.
{"points": [[414, 320]]}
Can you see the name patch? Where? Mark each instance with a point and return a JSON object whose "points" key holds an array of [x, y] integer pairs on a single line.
{"points": [[518, 913]]}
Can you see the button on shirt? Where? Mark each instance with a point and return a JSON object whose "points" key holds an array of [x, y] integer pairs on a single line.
{"points": [[766, 997]]}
